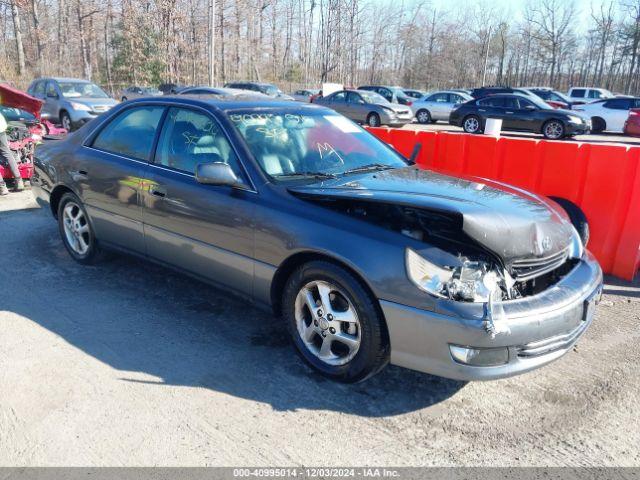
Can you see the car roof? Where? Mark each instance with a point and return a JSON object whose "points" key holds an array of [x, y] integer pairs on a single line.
{"points": [[227, 103], [66, 79]]}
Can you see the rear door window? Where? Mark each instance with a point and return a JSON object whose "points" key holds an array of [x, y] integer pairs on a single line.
{"points": [[131, 133], [619, 103], [439, 98], [578, 92]]}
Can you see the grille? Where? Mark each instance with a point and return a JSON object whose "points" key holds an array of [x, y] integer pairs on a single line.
{"points": [[529, 268], [551, 344]]}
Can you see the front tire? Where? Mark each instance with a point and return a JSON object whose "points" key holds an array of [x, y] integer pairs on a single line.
{"points": [[553, 130], [76, 230], [124, 99], [335, 323], [373, 120], [65, 120]]}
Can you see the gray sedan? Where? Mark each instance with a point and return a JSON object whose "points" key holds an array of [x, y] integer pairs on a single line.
{"points": [[366, 258], [363, 106], [438, 105]]}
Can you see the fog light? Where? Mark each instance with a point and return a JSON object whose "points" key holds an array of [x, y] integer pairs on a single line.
{"points": [[480, 357]]}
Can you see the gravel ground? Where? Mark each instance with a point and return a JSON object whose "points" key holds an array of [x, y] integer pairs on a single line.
{"points": [[126, 363]]}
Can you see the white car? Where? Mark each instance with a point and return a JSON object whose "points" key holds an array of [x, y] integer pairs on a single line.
{"points": [[304, 95], [579, 95], [609, 114], [438, 105]]}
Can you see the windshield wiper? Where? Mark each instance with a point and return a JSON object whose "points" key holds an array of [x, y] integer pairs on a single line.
{"points": [[307, 174], [369, 168]]}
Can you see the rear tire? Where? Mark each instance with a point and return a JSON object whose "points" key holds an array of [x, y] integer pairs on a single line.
{"points": [[598, 125], [424, 117], [76, 231], [472, 124], [124, 99], [373, 120], [335, 295]]}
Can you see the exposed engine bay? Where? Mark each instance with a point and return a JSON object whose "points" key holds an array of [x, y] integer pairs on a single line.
{"points": [[477, 274]]}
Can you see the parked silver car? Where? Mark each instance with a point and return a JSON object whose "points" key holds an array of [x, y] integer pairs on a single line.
{"points": [[367, 107], [438, 105], [71, 101], [130, 93]]}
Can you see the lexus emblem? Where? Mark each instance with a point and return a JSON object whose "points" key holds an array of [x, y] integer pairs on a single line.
{"points": [[546, 244]]}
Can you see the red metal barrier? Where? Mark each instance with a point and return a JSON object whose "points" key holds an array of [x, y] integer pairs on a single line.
{"points": [[602, 179]]}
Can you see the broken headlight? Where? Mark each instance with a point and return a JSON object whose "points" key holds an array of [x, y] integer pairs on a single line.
{"points": [[473, 281]]}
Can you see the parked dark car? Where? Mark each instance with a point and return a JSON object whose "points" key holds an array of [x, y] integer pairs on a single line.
{"points": [[170, 88], [520, 114], [482, 92], [552, 97], [414, 94], [367, 107], [366, 258], [392, 94]]}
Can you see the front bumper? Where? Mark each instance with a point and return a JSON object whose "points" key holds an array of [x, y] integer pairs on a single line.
{"points": [[535, 330], [578, 128]]}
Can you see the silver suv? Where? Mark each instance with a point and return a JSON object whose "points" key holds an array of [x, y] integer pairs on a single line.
{"points": [[71, 101]]}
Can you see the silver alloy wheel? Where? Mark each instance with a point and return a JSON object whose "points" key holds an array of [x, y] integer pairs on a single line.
{"points": [[327, 323], [66, 122], [374, 120], [553, 130], [423, 116], [76, 228], [471, 125]]}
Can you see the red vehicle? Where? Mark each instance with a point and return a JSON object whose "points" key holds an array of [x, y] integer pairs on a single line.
{"points": [[632, 125], [25, 129]]}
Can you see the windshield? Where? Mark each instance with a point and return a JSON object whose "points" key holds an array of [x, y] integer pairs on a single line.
{"points": [[81, 89], [539, 102], [271, 90], [289, 144], [16, 115], [150, 91], [373, 97]]}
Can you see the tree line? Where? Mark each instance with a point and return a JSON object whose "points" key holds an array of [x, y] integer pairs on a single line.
{"points": [[306, 42]]}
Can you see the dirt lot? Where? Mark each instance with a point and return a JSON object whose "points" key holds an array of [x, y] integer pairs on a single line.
{"points": [[126, 363], [599, 138]]}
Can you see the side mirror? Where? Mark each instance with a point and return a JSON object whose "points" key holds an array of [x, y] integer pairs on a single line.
{"points": [[217, 173], [52, 95]]}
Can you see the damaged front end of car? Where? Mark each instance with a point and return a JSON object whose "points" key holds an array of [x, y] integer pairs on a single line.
{"points": [[510, 284]]}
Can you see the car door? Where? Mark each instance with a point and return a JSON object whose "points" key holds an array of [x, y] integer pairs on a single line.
{"points": [[338, 102], [109, 171], [492, 107], [616, 112], [52, 100], [438, 105], [526, 115], [206, 230], [356, 108], [511, 114]]}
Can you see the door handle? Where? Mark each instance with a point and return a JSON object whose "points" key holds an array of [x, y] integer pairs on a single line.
{"points": [[509, 112], [157, 191], [481, 110]]}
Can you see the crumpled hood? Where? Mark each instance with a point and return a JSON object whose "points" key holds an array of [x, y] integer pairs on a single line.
{"points": [[510, 222]]}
